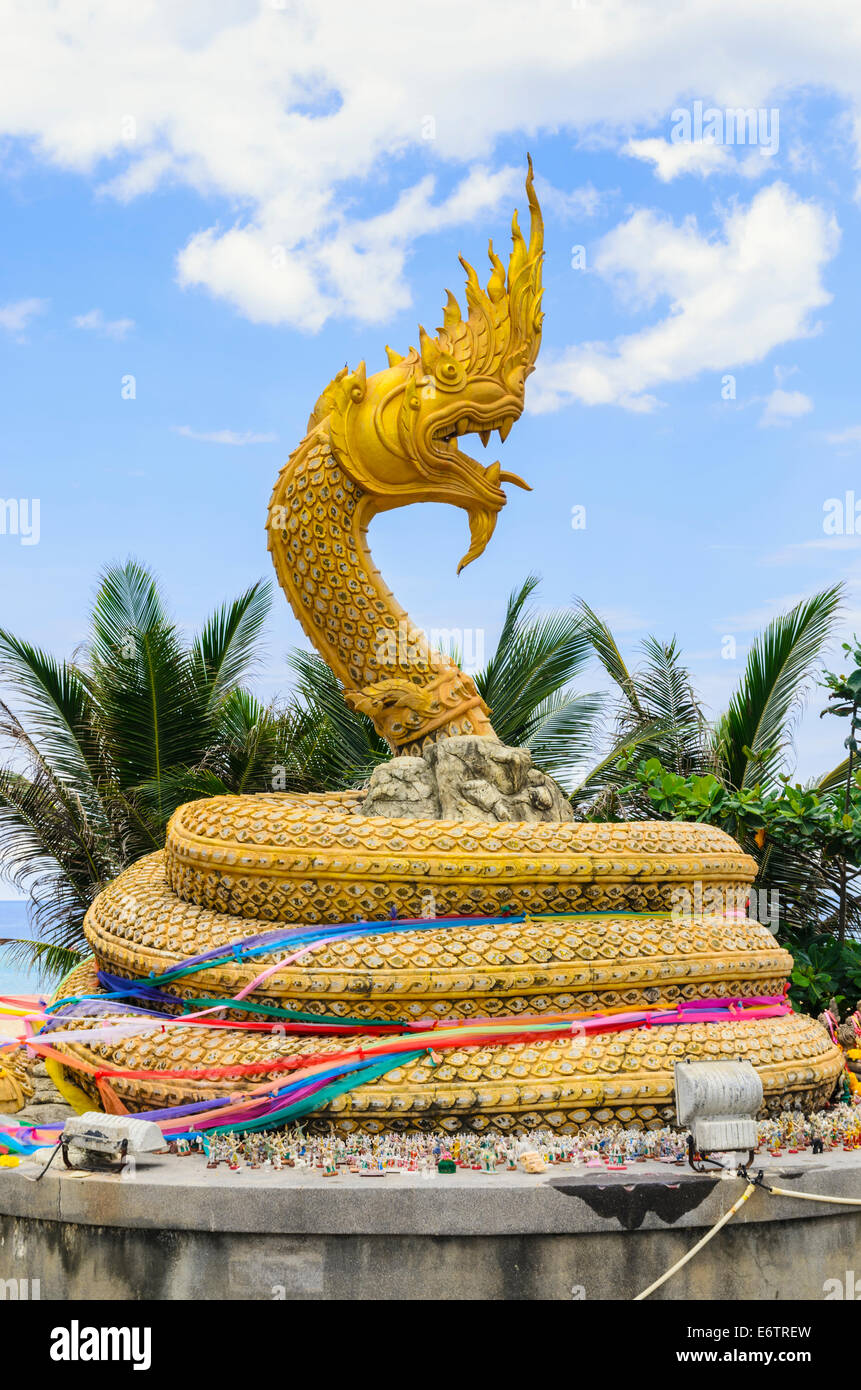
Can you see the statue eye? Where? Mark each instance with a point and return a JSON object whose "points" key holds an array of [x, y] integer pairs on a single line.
{"points": [[449, 371]]}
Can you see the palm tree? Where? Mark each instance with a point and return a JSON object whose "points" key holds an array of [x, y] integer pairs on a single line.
{"points": [[526, 684], [657, 711], [753, 738], [657, 714], [106, 746]]}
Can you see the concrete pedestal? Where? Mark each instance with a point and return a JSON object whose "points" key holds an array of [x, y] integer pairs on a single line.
{"points": [[176, 1230]]}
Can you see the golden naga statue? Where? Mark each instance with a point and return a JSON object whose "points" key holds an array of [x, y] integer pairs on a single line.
{"points": [[391, 440], [566, 919]]}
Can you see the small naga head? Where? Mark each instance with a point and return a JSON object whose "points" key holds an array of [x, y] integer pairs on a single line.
{"points": [[396, 433]]}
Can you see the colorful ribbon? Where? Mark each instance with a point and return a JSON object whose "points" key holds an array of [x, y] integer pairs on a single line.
{"points": [[319, 1077]]}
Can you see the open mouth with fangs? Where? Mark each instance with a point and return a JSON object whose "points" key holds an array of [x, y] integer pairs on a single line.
{"points": [[451, 430], [484, 429], [484, 507]]}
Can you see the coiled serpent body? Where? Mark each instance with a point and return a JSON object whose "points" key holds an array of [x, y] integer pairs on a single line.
{"points": [[592, 908]]}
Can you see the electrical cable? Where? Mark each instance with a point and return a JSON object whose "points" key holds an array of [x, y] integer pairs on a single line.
{"points": [[752, 1183], [727, 1216], [53, 1155], [759, 1181]]}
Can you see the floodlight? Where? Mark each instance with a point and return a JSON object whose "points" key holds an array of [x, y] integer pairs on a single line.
{"points": [[94, 1140], [718, 1102]]}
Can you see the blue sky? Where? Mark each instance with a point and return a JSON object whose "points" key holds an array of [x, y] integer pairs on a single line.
{"points": [[152, 163]]}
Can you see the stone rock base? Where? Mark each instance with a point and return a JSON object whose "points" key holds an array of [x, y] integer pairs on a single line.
{"points": [[466, 778]]}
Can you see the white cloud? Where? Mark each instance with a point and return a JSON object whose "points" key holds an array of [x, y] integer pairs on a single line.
{"points": [[852, 435], [285, 111], [685, 157], [96, 322], [801, 159], [755, 619], [573, 205], [224, 436], [783, 406], [701, 157], [732, 299], [782, 374], [624, 620], [16, 317], [358, 270], [800, 550]]}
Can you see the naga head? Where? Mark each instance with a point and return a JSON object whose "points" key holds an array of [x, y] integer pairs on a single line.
{"points": [[396, 433]]}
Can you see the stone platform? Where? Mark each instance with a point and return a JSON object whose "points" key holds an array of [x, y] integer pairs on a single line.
{"points": [[176, 1230]]}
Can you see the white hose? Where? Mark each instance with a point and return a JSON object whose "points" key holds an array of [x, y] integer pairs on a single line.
{"points": [[748, 1192], [815, 1197], [778, 1191]]}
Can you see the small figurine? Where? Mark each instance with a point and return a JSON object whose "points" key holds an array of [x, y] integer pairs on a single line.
{"points": [[532, 1162]]}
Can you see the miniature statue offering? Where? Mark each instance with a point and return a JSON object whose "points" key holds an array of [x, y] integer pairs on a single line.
{"points": [[532, 1162]]}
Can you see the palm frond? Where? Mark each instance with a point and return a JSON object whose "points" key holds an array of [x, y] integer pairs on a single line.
{"points": [[151, 712], [107, 747], [161, 796], [514, 613], [560, 734], [128, 602], [835, 780], [47, 961], [536, 659], [807, 888], [666, 694], [601, 783], [352, 746], [60, 714], [752, 739], [249, 742], [41, 839], [604, 645], [227, 644], [59, 864]]}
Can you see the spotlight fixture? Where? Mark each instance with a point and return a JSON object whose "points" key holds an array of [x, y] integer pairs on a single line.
{"points": [[718, 1102], [94, 1140]]}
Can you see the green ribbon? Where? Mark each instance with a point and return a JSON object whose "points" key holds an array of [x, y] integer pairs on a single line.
{"points": [[292, 1015], [313, 1102]]}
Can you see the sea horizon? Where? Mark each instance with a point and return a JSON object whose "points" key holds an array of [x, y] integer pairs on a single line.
{"points": [[16, 978]]}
